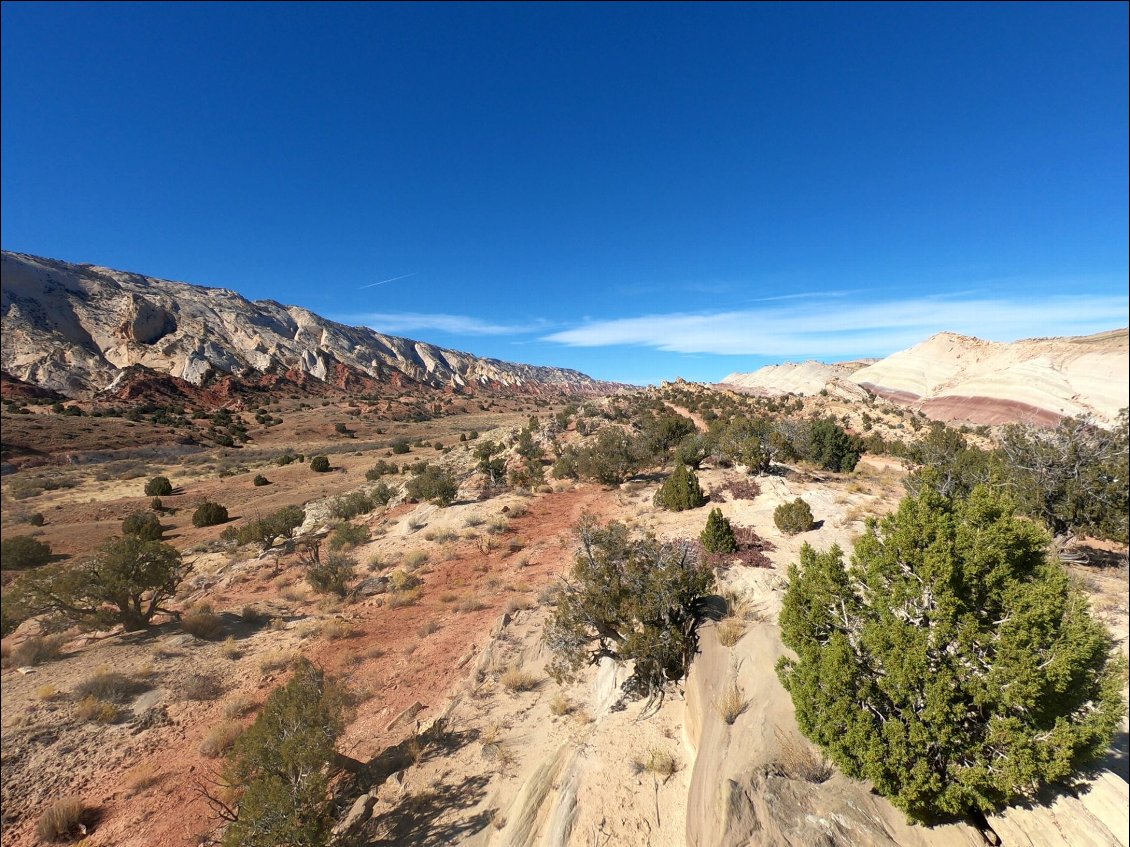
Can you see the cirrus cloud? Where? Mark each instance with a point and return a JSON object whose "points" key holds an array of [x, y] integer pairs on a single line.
{"points": [[840, 329]]}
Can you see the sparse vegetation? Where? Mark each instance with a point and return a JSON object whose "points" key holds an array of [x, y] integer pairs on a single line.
{"points": [[333, 575], [434, 484]]}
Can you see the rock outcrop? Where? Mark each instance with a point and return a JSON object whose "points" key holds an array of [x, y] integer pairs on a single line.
{"points": [[803, 378], [956, 377], [80, 330]]}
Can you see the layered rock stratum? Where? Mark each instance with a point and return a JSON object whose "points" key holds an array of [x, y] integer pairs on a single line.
{"points": [[954, 377], [83, 330]]}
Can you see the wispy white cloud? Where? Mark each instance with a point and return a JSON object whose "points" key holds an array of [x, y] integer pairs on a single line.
{"points": [[401, 322], [845, 329]]}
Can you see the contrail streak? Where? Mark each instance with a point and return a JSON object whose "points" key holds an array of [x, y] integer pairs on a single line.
{"points": [[386, 281]]}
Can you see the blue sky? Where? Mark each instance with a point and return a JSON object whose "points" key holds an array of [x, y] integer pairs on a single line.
{"points": [[638, 191]]}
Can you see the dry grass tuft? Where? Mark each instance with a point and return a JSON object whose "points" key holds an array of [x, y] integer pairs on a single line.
{"points": [[276, 660], [239, 706], [335, 629], [92, 709], [399, 599], [471, 603], [660, 762], [36, 650], [561, 705], [219, 739], [203, 623], [427, 628], [730, 631], [515, 679], [797, 759], [141, 776], [201, 687], [732, 703], [61, 820]]}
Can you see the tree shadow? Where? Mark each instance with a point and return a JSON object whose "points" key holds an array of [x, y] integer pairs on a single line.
{"points": [[434, 818]]}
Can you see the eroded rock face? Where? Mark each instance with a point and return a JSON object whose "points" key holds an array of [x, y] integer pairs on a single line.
{"points": [[74, 328], [956, 377], [803, 378]]}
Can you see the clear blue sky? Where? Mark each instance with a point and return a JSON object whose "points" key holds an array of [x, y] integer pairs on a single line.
{"points": [[637, 191]]}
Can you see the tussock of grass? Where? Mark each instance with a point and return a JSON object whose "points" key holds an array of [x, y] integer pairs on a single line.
{"points": [[61, 819], [732, 703], [516, 680], [219, 739], [660, 762], [730, 631]]}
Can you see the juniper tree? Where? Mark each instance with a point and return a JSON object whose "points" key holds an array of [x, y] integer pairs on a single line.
{"points": [[283, 764], [680, 491], [631, 599], [127, 581], [953, 663], [718, 535]]}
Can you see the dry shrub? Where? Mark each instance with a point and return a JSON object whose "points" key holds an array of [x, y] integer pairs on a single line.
{"points": [[515, 680], [738, 489], [427, 628], [516, 545], [335, 629], [561, 705], [730, 631], [448, 597], [61, 820], [445, 536], [498, 525], [47, 691], [414, 559], [519, 510], [294, 593], [471, 604], [92, 709], [230, 649], [201, 687], [797, 759], [239, 706], [473, 520], [253, 616], [219, 739], [203, 623], [36, 650], [519, 604], [660, 762], [399, 599], [732, 703], [400, 580], [110, 686]]}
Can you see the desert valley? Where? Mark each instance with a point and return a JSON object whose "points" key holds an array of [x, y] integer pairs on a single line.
{"points": [[410, 526]]}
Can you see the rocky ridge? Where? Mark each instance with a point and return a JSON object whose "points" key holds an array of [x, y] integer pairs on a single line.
{"points": [[953, 377], [82, 330]]}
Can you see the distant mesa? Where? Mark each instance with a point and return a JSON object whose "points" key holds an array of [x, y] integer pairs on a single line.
{"points": [[953, 377], [83, 331]]}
